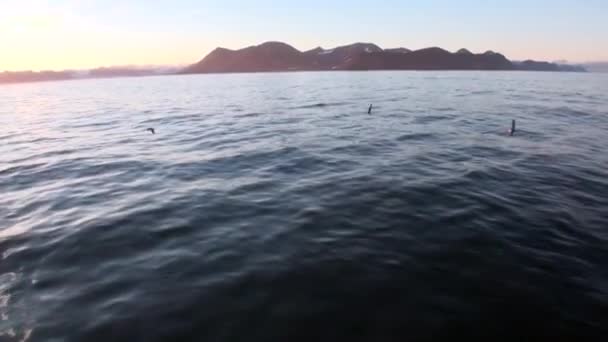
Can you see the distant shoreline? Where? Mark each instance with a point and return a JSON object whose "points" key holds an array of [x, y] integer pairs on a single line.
{"points": [[279, 72]]}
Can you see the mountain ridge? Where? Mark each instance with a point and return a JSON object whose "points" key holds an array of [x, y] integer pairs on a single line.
{"points": [[279, 56]]}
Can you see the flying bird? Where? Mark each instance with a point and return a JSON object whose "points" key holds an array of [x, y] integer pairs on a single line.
{"points": [[369, 111], [151, 130]]}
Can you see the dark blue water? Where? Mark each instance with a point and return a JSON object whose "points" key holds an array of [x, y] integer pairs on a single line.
{"points": [[272, 207]]}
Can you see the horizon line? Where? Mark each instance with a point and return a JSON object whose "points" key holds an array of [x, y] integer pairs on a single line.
{"points": [[182, 65]]}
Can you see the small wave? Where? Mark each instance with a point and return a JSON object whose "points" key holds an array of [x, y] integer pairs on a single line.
{"points": [[237, 109], [444, 109], [9, 136], [355, 150], [567, 111], [415, 136], [250, 115], [430, 118], [21, 168], [176, 110], [113, 123], [41, 140], [320, 105], [482, 92], [13, 231], [154, 121], [233, 165], [300, 164], [73, 169]]}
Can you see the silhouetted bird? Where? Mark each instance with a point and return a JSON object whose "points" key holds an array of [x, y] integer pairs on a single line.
{"points": [[512, 130], [369, 111], [151, 130]]}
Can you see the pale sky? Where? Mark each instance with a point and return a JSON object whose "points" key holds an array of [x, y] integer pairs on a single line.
{"points": [[77, 34]]}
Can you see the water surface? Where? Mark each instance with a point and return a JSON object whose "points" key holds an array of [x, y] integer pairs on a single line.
{"points": [[272, 207]]}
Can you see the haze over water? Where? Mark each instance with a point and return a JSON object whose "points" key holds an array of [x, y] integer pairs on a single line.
{"points": [[272, 207]]}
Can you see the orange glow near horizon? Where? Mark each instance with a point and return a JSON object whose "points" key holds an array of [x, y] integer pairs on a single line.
{"points": [[43, 40], [50, 43]]}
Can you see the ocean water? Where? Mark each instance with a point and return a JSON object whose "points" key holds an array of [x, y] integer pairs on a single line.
{"points": [[272, 207]]}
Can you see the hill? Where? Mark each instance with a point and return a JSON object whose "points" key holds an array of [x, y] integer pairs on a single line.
{"points": [[277, 56]]}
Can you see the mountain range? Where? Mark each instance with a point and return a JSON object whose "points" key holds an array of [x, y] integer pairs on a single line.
{"points": [[278, 56]]}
